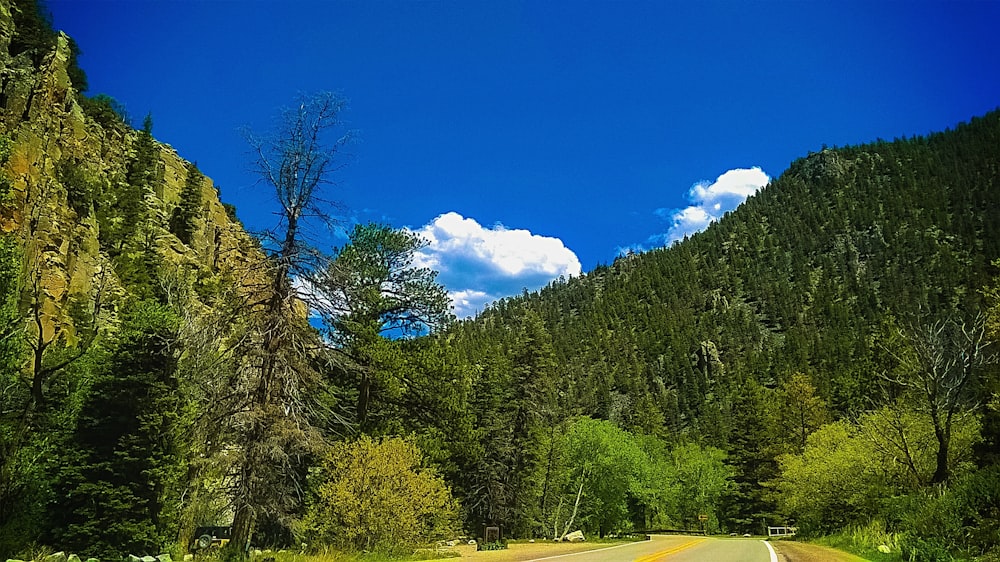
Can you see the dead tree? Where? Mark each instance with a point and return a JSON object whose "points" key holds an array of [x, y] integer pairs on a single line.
{"points": [[940, 363], [271, 421]]}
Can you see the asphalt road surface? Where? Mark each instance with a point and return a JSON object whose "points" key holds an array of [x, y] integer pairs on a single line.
{"points": [[677, 549]]}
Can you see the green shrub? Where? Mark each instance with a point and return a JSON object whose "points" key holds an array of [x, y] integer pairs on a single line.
{"points": [[962, 519], [374, 495], [81, 187], [5, 147], [917, 549], [33, 32], [106, 110], [231, 212]]}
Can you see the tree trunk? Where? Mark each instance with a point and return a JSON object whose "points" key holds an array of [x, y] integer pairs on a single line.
{"points": [[243, 523], [548, 475], [555, 521], [576, 507], [364, 393], [185, 532], [941, 472]]}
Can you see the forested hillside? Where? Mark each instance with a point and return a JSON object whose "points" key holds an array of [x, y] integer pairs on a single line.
{"points": [[787, 314], [803, 277], [822, 357]]}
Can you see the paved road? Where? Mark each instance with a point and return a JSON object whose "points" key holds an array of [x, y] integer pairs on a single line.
{"points": [[669, 548]]}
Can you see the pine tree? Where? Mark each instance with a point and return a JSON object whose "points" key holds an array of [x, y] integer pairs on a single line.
{"points": [[183, 220], [118, 483]]}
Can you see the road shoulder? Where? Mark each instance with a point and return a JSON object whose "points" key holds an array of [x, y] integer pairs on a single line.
{"points": [[792, 551]]}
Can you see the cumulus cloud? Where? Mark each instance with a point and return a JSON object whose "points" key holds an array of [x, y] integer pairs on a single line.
{"points": [[711, 200], [479, 265]]}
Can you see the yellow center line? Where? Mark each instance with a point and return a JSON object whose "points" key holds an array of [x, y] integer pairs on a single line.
{"points": [[669, 551]]}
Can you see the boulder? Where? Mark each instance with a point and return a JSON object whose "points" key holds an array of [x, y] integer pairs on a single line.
{"points": [[575, 536], [132, 558], [56, 557], [148, 559], [188, 557], [73, 558], [884, 549], [93, 560], [163, 558]]}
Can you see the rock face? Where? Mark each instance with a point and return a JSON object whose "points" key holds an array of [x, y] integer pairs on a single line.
{"points": [[62, 173]]}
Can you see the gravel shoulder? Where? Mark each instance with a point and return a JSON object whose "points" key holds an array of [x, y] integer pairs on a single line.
{"points": [[790, 551], [519, 552]]}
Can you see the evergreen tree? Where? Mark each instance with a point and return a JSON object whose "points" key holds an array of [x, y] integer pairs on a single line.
{"points": [[119, 483], [373, 288], [183, 220]]}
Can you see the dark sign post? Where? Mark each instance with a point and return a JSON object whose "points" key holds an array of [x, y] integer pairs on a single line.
{"points": [[492, 539], [492, 534], [702, 518]]}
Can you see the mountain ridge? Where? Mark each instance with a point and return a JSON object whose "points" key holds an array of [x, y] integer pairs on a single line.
{"points": [[757, 268]]}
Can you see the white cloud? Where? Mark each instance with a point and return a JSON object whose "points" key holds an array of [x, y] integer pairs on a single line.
{"points": [[711, 200], [479, 265]]}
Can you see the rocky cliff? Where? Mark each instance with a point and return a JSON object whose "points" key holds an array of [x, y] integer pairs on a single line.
{"points": [[67, 165]]}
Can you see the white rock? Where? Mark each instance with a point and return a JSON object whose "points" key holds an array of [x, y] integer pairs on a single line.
{"points": [[55, 557]]}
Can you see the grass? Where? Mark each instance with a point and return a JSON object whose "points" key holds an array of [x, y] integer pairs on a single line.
{"points": [[338, 556], [867, 541]]}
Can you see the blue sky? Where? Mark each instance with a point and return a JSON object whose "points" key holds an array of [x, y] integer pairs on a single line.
{"points": [[529, 140]]}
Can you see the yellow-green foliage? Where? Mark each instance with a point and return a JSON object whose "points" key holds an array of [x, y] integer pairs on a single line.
{"points": [[849, 468], [374, 495]]}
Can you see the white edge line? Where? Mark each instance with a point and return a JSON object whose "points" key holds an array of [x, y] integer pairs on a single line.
{"points": [[774, 555], [586, 551]]}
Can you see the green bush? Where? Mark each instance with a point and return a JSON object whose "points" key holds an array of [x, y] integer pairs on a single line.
{"points": [[917, 549], [81, 187], [5, 147], [106, 110], [374, 495], [961, 519]]}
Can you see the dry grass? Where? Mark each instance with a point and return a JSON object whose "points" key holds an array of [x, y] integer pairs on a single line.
{"points": [[805, 552]]}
